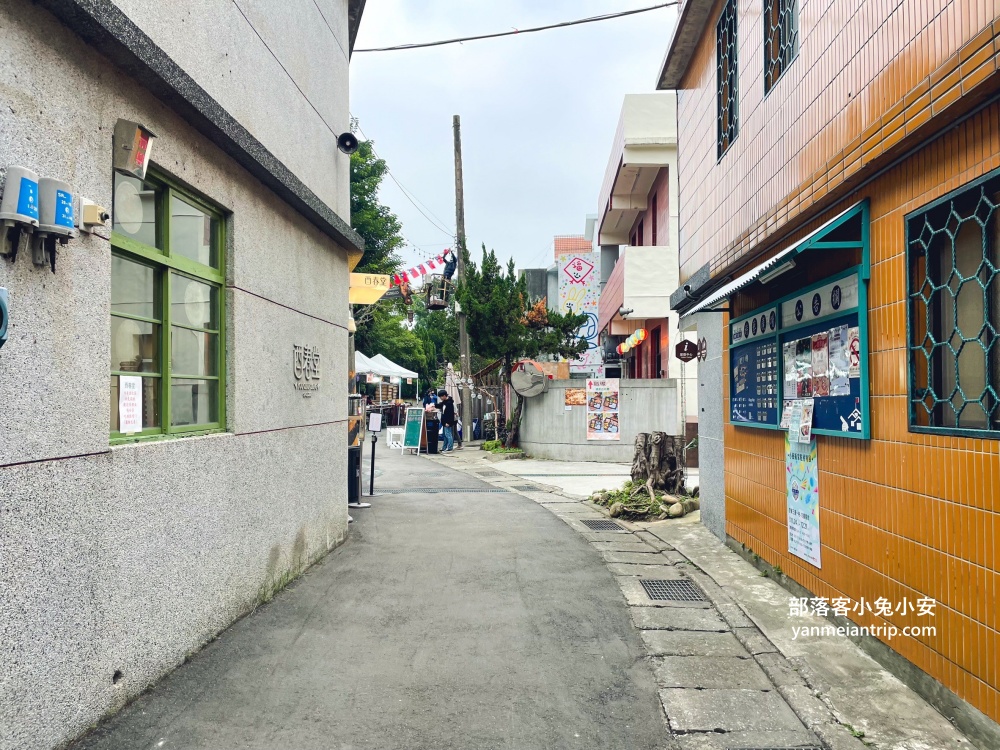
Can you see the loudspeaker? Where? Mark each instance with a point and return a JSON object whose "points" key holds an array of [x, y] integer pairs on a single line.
{"points": [[347, 143]]}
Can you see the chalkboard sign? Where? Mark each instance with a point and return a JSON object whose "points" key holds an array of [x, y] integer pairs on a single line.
{"points": [[414, 428], [754, 397]]}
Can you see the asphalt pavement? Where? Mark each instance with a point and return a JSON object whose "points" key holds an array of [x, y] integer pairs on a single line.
{"points": [[456, 616]]}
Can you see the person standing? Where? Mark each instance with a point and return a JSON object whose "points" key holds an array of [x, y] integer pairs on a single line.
{"points": [[429, 397], [447, 420]]}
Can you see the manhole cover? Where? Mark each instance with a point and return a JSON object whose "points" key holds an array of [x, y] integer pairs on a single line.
{"points": [[601, 525], [488, 473], [438, 491], [671, 591]]}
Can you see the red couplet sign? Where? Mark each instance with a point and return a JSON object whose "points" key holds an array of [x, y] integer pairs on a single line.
{"points": [[686, 350]]}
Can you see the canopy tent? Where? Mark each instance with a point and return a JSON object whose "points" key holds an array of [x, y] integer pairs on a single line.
{"points": [[362, 363], [384, 366]]}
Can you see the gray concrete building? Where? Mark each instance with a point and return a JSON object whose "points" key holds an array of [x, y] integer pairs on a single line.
{"points": [[173, 395]]}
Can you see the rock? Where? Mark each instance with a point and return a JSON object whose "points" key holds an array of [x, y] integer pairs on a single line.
{"points": [[690, 505], [676, 510], [616, 509], [695, 491]]}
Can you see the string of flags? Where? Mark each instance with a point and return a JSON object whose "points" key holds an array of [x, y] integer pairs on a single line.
{"points": [[421, 269]]}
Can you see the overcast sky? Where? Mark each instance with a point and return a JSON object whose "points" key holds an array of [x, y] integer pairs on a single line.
{"points": [[539, 113]]}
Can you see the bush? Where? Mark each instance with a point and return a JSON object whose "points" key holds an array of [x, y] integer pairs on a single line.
{"points": [[492, 445]]}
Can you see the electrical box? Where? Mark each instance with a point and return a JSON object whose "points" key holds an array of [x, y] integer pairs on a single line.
{"points": [[4, 316], [19, 204], [55, 212], [132, 147]]}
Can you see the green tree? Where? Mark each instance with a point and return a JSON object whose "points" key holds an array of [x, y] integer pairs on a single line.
{"points": [[503, 325], [377, 225]]}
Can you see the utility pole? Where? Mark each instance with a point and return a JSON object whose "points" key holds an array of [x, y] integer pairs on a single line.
{"points": [[463, 334]]}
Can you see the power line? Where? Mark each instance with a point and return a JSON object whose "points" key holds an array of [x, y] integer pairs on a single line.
{"points": [[564, 24]]}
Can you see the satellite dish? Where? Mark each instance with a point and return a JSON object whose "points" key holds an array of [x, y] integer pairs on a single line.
{"points": [[529, 380]]}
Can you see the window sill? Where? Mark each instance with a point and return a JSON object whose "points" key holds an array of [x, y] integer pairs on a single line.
{"points": [[117, 442]]}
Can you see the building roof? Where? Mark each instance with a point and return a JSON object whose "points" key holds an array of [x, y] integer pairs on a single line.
{"points": [[354, 10], [694, 18], [576, 243]]}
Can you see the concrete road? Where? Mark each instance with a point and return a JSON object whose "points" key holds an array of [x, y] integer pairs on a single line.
{"points": [[448, 620]]}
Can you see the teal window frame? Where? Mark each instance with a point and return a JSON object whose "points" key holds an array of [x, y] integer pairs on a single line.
{"points": [[786, 331], [167, 264], [917, 247]]}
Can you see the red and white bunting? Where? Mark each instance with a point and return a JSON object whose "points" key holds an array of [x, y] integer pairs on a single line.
{"points": [[421, 270]]}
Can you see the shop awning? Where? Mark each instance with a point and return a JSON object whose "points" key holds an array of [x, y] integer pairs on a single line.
{"points": [[772, 264]]}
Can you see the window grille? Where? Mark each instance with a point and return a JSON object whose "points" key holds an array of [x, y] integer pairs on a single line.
{"points": [[727, 77], [954, 311], [781, 38]]}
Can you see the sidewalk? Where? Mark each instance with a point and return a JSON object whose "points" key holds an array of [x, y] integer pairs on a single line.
{"points": [[729, 671]]}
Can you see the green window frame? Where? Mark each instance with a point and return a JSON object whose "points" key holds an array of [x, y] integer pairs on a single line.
{"points": [[953, 312], [781, 39], [727, 78], [168, 307]]}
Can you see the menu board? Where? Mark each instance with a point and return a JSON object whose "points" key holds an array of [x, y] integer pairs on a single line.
{"points": [[602, 409], [754, 395]]}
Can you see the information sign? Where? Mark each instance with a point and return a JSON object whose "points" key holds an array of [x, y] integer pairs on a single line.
{"points": [[414, 428]]}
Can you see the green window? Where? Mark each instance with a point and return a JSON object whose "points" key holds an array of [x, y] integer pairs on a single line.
{"points": [[953, 321], [166, 308]]}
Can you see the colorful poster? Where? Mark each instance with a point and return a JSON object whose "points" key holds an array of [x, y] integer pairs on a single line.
{"points": [[840, 384], [786, 415], [803, 368], [602, 409], [794, 416], [129, 404], [802, 500], [854, 352], [575, 397], [805, 424], [579, 290], [820, 364]]}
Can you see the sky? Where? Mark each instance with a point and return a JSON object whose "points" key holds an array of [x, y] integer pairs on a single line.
{"points": [[538, 112]]}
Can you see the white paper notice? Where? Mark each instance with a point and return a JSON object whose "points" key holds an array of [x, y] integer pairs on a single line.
{"points": [[375, 422], [129, 404]]}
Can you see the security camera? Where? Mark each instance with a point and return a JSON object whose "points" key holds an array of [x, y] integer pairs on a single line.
{"points": [[347, 143], [687, 291]]}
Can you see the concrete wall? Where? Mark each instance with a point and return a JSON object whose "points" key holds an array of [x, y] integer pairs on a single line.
{"points": [[125, 559], [711, 469], [548, 430]]}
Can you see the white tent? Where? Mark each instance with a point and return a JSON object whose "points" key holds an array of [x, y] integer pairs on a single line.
{"points": [[384, 366], [362, 363]]}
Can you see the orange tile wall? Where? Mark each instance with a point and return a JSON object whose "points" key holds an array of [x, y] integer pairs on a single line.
{"points": [[857, 61], [904, 514]]}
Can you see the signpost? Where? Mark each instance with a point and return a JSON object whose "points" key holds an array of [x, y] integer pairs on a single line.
{"points": [[686, 350], [414, 428]]}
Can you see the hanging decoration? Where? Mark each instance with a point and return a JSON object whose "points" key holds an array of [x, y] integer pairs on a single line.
{"points": [[632, 341], [421, 270]]}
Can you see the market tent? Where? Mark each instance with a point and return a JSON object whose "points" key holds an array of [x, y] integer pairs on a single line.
{"points": [[363, 364], [384, 366]]}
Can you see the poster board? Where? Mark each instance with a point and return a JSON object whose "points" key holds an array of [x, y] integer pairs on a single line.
{"points": [[414, 427], [808, 347], [602, 409]]}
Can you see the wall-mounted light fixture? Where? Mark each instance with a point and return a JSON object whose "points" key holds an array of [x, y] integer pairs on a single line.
{"points": [[776, 272]]}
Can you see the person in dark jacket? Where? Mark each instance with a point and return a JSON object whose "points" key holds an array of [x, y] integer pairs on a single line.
{"points": [[429, 397], [447, 407]]}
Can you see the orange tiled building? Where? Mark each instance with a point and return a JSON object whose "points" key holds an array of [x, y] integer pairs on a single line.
{"points": [[840, 169]]}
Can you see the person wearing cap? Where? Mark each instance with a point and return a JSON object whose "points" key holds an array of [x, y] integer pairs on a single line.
{"points": [[447, 407]]}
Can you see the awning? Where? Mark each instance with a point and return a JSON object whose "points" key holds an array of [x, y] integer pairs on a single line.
{"points": [[362, 363], [771, 263]]}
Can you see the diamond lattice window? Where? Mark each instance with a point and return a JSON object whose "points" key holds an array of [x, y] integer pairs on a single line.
{"points": [[781, 38], [726, 44], [954, 310]]}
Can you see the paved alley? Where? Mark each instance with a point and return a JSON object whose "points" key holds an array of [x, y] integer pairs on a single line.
{"points": [[470, 618]]}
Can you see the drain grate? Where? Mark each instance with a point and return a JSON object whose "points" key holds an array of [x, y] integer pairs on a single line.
{"points": [[601, 525], [489, 473], [527, 488], [671, 591], [438, 491]]}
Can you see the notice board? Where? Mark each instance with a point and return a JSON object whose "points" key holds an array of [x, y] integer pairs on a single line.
{"points": [[414, 427], [807, 348]]}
